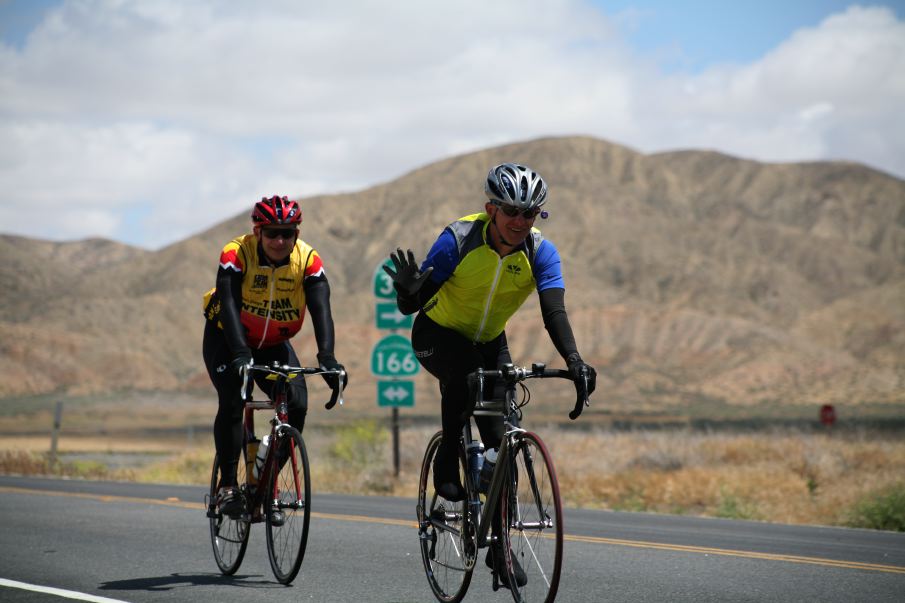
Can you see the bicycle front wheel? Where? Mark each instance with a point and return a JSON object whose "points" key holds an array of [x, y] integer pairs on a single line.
{"points": [[229, 537], [533, 520], [446, 531], [287, 506]]}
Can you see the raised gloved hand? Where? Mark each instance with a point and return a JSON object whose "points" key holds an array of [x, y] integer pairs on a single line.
{"points": [[407, 278], [328, 361], [241, 359]]}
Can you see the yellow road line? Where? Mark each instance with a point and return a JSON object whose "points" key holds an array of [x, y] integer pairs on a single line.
{"points": [[175, 502], [746, 554]]}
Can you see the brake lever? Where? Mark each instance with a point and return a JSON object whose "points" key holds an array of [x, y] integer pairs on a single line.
{"points": [[581, 400], [337, 391], [244, 371]]}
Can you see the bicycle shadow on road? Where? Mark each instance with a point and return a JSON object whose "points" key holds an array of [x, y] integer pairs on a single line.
{"points": [[164, 583]]}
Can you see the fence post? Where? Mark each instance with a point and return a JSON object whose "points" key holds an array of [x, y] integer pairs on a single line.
{"points": [[57, 421]]}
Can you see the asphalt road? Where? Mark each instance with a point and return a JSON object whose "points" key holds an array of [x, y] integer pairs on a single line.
{"points": [[140, 542]]}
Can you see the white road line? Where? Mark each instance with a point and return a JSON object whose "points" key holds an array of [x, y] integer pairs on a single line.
{"points": [[69, 594]]}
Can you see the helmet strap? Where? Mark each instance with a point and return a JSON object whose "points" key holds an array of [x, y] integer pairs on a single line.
{"points": [[500, 232]]}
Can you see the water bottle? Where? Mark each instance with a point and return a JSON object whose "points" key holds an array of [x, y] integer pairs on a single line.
{"points": [[260, 456], [251, 455], [474, 455], [487, 470]]}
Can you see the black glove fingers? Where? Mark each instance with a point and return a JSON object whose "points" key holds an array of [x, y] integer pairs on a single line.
{"points": [[398, 259], [424, 275]]}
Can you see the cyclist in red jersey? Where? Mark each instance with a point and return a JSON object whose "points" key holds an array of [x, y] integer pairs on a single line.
{"points": [[266, 282]]}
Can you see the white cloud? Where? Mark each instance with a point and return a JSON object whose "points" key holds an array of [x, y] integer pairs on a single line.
{"points": [[828, 92], [116, 105]]}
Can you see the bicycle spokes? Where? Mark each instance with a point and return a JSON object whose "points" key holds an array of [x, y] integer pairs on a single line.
{"points": [[534, 520], [446, 535], [287, 509], [229, 537]]}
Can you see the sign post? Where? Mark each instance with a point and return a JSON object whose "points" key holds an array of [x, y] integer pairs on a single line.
{"points": [[392, 359]]}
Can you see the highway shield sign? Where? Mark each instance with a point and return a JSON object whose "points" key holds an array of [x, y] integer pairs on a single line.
{"points": [[393, 356]]}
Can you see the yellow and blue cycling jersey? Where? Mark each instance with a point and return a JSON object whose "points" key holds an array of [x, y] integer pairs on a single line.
{"points": [[479, 290]]}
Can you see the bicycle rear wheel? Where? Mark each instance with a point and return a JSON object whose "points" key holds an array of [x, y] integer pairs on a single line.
{"points": [[229, 537], [533, 518], [446, 531], [288, 506]]}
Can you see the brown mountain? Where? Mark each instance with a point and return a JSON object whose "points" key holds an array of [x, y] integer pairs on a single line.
{"points": [[692, 277]]}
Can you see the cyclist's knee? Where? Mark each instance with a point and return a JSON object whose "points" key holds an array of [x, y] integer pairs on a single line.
{"points": [[297, 397]]}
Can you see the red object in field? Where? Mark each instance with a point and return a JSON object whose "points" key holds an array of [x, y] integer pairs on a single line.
{"points": [[827, 414]]}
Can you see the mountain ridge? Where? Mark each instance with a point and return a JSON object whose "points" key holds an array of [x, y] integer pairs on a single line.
{"points": [[689, 274]]}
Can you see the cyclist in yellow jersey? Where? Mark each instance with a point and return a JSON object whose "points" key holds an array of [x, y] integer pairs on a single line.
{"points": [[266, 282], [479, 271]]}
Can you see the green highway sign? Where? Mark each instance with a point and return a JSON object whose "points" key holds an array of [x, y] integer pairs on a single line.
{"points": [[383, 284], [389, 317], [395, 393], [393, 356]]}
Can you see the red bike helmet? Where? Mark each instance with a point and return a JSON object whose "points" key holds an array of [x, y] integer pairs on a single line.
{"points": [[276, 211]]}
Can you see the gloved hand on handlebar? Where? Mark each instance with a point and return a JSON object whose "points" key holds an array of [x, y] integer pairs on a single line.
{"points": [[407, 278], [326, 360], [576, 367], [241, 359]]}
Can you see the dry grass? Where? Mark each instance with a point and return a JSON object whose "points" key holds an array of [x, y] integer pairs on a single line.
{"points": [[790, 477], [784, 476]]}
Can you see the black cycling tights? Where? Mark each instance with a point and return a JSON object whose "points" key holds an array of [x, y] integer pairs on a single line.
{"points": [[228, 423], [449, 357]]}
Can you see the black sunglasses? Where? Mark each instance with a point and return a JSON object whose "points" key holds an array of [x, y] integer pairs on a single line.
{"points": [[283, 233], [512, 212]]}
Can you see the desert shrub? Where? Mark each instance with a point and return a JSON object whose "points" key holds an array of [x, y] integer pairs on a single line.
{"points": [[359, 444], [881, 510]]}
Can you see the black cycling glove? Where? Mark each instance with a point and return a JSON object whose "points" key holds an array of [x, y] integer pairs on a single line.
{"points": [[241, 359], [576, 367], [407, 278], [328, 361]]}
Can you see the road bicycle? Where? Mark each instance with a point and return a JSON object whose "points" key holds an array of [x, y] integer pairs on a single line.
{"points": [[523, 490], [278, 490]]}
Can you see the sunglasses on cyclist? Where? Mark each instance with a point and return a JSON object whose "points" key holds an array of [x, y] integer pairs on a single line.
{"points": [[283, 233], [512, 212]]}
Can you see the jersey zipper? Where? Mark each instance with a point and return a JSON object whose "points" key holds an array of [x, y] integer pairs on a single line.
{"points": [[272, 279], [496, 276]]}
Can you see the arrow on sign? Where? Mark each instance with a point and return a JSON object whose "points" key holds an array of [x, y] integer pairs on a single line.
{"points": [[395, 393], [393, 315]]}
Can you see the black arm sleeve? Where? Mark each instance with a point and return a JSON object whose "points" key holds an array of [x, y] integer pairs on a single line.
{"points": [[410, 305], [229, 290], [317, 295], [556, 321]]}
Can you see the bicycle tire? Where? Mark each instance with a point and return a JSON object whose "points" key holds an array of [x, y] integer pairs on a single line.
{"points": [[229, 537], [533, 518], [291, 483], [446, 532]]}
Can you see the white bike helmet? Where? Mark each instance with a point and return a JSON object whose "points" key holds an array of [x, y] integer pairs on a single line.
{"points": [[515, 185]]}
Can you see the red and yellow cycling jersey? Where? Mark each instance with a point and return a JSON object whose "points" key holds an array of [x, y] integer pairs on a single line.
{"points": [[273, 298]]}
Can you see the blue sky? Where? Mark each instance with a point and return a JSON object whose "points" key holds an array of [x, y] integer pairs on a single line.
{"points": [[113, 114], [703, 33]]}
